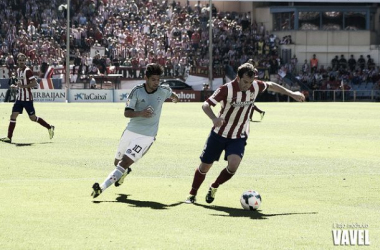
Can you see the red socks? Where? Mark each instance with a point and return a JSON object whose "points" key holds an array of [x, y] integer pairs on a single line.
{"points": [[43, 123], [199, 177], [224, 176], [11, 128]]}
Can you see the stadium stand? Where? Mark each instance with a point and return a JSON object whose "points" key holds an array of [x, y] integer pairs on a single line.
{"points": [[121, 37]]}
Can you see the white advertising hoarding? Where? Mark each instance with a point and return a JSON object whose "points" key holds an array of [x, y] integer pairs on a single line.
{"points": [[42, 95], [90, 95], [2, 94], [49, 95], [120, 95]]}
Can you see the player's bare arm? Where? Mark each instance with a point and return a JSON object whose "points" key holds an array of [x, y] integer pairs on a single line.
{"points": [[296, 95], [208, 111], [32, 84], [174, 97], [147, 113]]}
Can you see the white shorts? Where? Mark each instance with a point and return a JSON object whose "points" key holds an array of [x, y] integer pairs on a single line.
{"points": [[133, 145]]}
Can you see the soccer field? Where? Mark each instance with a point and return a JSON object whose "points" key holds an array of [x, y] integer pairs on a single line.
{"points": [[316, 166]]}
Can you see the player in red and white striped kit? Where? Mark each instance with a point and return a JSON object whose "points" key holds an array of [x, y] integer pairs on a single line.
{"points": [[231, 126], [26, 82]]}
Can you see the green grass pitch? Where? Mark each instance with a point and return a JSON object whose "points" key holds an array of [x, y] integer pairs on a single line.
{"points": [[315, 164]]}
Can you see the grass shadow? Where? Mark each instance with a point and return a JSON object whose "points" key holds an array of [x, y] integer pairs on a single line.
{"points": [[28, 144], [239, 212], [123, 198]]}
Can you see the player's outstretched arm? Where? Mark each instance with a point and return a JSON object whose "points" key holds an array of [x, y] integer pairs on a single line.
{"points": [[296, 95]]}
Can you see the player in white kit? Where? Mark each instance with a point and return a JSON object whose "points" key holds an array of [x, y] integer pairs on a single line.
{"points": [[143, 107]]}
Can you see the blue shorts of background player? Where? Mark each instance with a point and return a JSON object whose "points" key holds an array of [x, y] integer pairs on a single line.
{"points": [[27, 105], [216, 144]]}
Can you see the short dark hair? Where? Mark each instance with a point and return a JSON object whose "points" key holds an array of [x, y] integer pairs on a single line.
{"points": [[153, 69], [246, 68]]}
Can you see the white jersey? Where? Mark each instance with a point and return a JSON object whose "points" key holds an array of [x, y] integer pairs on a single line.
{"points": [[138, 100]]}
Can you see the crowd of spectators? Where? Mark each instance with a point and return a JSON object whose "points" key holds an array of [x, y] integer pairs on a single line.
{"points": [[33, 28], [137, 32], [134, 34], [341, 73]]}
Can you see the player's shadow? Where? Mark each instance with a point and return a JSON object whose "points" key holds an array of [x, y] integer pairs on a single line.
{"points": [[239, 212], [24, 144], [123, 198], [29, 144]]}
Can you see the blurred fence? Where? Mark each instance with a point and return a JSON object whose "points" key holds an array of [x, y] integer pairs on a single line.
{"points": [[347, 95]]}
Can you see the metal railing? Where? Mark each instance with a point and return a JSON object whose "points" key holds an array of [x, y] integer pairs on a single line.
{"points": [[347, 95]]}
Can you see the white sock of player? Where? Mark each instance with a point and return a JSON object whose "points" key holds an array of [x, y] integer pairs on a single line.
{"points": [[113, 177]]}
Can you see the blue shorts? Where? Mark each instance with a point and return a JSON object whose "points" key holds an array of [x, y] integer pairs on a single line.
{"points": [[27, 105], [216, 144]]}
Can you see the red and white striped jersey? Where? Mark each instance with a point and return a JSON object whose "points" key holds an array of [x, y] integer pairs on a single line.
{"points": [[25, 76], [236, 106]]}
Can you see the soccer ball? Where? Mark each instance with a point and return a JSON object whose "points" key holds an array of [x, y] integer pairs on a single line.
{"points": [[250, 200]]}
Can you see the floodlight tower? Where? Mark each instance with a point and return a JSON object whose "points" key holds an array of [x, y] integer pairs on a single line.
{"points": [[67, 50], [210, 45]]}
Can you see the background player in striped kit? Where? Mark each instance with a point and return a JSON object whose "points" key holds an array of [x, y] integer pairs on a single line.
{"points": [[26, 82], [144, 105], [231, 126]]}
